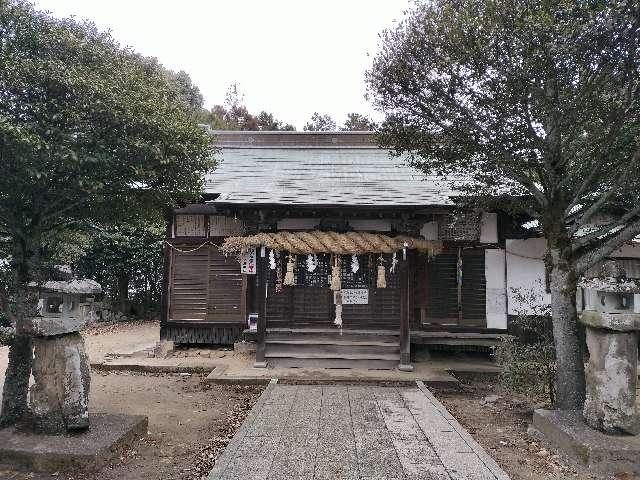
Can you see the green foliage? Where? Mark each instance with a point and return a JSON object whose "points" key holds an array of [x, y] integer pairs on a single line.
{"points": [[528, 358], [532, 107], [320, 123], [234, 115], [127, 261], [85, 124], [358, 122], [538, 100], [89, 132]]}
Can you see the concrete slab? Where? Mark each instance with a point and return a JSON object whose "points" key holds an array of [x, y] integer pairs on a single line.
{"points": [[246, 374], [352, 432], [107, 435], [158, 365], [607, 454]]}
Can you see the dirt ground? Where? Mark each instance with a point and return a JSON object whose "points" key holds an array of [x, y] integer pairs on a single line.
{"points": [[500, 426], [124, 337], [190, 423]]}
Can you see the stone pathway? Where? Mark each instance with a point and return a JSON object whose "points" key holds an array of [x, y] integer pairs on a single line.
{"points": [[328, 432]]}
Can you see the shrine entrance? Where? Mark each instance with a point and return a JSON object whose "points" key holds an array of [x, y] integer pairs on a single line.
{"points": [[310, 303], [319, 286]]}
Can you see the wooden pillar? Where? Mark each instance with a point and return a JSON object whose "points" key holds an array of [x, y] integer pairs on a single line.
{"points": [[261, 304], [166, 277], [405, 335]]}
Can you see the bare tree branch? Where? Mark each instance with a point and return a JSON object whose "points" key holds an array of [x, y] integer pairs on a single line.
{"points": [[600, 232], [595, 173], [594, 256], [595, 207]]}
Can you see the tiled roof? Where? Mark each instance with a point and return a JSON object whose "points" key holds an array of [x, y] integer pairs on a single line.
{"points": [[366, 175]]}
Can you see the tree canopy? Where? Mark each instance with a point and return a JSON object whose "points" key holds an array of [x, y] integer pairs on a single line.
{"points": [[87, 127], [127, 260], [89, 132], [537, 101], [320, 123], [234, 115], [359, 123]]}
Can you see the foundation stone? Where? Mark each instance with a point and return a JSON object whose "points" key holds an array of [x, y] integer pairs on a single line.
{"points": [[59, 398]]}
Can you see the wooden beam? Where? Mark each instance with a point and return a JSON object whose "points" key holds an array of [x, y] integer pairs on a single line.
{"points": [[405, 335], [261, 302]]}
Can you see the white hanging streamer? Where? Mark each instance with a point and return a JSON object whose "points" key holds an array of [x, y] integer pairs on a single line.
{"points": [[355, 265], [312, 263], [272, 260], [394, 262]]}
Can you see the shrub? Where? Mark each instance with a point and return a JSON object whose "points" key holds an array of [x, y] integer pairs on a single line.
{"points": [[528, 358]]}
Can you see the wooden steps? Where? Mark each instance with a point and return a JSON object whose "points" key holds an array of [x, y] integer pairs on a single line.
{"points": [[327, 348]]}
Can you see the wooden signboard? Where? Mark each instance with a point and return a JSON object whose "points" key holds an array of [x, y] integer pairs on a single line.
{"points": [[220, 226], [248, 262], [190, 226]]}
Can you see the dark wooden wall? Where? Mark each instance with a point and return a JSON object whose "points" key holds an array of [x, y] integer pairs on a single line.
{"points": [[438, 302], [206, 286], [208, 291]]}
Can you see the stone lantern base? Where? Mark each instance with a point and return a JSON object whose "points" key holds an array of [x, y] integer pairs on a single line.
{"points": [[612, 373], [59, 398]]}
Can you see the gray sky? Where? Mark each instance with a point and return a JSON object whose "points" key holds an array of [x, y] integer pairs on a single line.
{"points": [[289, 57]]}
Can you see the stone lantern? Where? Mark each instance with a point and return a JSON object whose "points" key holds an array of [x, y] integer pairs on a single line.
{"points": [[59, 397], [612, 319]]}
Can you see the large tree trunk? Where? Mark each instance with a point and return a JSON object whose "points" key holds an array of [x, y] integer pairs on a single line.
{"points": [[26, 264], [123, 293], [16, 383], [570, 380]]}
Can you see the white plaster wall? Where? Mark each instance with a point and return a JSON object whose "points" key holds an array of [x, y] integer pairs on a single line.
{"points": [[489, 228], [430, 231], [496, 297], [525, 271]]}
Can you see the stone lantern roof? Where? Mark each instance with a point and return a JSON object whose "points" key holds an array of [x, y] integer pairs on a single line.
{"points": [[80, 286], [612, 278]]}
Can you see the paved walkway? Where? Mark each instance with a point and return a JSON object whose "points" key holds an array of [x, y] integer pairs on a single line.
{"points": [[352, 432]]}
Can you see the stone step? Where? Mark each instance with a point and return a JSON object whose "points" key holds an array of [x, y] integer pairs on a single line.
{"points": [[329, 340], [332, 350], [317, 353], [340, 363], [335, 334]]}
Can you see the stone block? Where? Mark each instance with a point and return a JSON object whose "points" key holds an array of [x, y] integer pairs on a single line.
{"points": [[88, 450], [164, 349], [612, 378], [608, 454], [50, 326], [59, 397], [619, 322], [244, 347]]}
